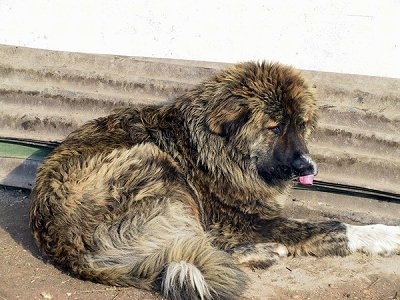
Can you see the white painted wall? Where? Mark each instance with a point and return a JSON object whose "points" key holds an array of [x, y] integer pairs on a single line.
{"points": [[359, 36]]}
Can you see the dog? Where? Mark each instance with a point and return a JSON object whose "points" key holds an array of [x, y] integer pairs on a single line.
{"points": [[175, 197]]}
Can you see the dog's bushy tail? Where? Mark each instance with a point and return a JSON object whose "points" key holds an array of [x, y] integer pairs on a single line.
{"points": [[195, 270], [185, 266]]}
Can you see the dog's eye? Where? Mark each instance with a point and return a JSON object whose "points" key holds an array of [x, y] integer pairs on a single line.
{"points": [[278, 130]]}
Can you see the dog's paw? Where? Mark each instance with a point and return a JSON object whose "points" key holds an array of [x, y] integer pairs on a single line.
{"points": [[374, 239], [260, 255]]}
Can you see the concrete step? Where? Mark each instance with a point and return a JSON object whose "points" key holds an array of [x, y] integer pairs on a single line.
{"points": [[45, 95]]}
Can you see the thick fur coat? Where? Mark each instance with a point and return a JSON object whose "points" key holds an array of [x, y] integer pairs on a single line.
{"points": [[174, 197]]}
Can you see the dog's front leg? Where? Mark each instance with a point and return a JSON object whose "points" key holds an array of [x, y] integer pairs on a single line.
{"points": [[330, 237], [280, 237]]}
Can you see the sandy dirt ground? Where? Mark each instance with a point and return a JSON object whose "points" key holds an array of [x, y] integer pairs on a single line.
{"points": [[26, 274]]}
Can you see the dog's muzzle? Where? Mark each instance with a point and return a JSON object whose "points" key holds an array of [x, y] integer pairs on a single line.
{"points": [[304, 165], [305, 169]]}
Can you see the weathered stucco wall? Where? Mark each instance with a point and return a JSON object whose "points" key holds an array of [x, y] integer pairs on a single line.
{"points": [[357, 37]]}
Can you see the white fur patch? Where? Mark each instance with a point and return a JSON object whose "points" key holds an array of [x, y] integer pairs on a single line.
{"points": [[185, 273], [374, 239]]}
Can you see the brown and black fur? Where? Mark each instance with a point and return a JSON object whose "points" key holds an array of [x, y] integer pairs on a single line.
{"points": [[174, 197]]}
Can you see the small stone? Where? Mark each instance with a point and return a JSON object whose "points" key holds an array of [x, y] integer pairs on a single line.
{"points": [[46, 295]]}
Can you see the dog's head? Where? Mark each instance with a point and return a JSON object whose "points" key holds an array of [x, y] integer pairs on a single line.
{"points": [[265, 112]]}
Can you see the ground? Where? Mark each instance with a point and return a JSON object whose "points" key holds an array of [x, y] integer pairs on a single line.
{"points": [[26, 274]]}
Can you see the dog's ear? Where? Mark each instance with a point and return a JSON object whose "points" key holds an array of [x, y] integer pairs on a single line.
{"points": [[227, 118]]}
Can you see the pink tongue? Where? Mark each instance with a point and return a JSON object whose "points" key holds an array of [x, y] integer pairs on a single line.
{"points": [[306, 180]]}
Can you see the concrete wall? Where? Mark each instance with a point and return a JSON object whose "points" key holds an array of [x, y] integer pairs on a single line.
{"points": [[361, 37]]}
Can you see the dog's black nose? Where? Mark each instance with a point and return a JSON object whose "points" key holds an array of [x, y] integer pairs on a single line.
{"points": [[304, 165]]}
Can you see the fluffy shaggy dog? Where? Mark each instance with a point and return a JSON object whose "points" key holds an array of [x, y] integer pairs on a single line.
{"points": [[174, 197]]}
